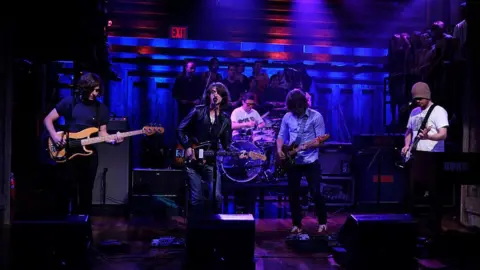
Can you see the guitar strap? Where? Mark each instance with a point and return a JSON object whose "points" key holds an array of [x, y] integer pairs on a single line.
{"points": [[424, 124], [97, 109], [302, 129]]}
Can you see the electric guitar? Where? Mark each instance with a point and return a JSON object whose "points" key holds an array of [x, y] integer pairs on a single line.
{"points": [[201, 154], [409, 155], [291, 151], [77, 142]]}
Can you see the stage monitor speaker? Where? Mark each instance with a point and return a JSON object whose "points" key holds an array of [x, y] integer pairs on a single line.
{"points": [[378, 241], [113, 171], [51, 244], [224, 241]]}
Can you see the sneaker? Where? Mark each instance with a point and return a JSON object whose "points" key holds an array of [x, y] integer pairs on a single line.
{"points": [[322, 228], [296, 230]]}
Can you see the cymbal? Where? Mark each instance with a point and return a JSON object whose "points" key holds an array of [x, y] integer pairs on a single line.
{"points": [[279, 109]]}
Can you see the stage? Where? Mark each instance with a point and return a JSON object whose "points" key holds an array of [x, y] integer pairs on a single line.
{"points": [[135, 234]]}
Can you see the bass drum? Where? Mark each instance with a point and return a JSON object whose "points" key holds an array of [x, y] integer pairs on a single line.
{"points": [[242, 170]]}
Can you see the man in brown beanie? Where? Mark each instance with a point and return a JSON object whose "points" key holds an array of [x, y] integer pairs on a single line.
{"points": [[421, 140]]}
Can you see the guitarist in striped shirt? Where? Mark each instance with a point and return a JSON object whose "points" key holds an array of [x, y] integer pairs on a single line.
{"points": [[426, 133]]}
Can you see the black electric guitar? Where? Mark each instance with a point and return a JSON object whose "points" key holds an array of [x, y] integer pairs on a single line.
{"points": [[201, 154], [76, 142], [291, 151]]}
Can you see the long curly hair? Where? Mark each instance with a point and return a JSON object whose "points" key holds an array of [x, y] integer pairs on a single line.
{"points": [[89, 81], [222, 91]]}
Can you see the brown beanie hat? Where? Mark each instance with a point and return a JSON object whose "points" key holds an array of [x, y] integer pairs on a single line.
{"points": [[421, 90]]}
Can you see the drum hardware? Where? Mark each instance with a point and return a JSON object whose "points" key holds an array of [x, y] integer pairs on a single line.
{"points": [[261, 140]]}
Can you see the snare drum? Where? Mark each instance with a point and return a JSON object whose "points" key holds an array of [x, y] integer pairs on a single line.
{"points": [[264, 137], [242, 170]]}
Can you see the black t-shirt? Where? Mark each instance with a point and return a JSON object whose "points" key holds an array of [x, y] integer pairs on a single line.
{"points": [[81, 115], [235, 89]]}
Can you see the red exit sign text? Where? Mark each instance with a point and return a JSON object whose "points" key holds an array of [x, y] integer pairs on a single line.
{"points": [[178, 32]]}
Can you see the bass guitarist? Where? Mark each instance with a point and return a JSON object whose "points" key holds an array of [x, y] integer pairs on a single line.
{"points": [[205, 123], [427, 126], [301, 125], [78, 175]]}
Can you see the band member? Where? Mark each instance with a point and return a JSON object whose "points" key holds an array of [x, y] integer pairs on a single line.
{"points": [[422, 166], [204, 123], [299, 125], [79, 113], [246, 117]]}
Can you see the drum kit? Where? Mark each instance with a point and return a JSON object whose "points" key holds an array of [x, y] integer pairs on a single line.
{"points": [[260, 140]]}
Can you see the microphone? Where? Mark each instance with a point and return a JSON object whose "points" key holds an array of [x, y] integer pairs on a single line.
{"points": [[215, 99]]}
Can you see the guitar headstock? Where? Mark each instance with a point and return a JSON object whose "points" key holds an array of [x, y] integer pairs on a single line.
{"points": [[153, 129], [323, 138], [255, 155]]}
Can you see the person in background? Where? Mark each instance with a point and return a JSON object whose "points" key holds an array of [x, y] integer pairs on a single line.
{"points": [[187, 89]]}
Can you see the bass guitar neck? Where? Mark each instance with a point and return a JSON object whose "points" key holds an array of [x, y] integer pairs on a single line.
{"points": [[75, 143]]}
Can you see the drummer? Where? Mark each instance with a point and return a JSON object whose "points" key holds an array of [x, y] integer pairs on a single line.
{"points": [[245, 118]]}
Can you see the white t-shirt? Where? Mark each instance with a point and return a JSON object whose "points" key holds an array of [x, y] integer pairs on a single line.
{"points": [[239, 115], [438, 119]]}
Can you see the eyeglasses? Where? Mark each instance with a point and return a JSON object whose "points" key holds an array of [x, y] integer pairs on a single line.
{"points": [[251, 104]]}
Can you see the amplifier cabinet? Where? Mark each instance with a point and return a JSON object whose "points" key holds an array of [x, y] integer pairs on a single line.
{"points": [[336, 158], [113, 174], [338, 190], [157, 182], [158, 192]]}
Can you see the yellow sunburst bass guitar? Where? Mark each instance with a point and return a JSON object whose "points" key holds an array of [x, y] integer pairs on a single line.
{"points": [[77, 142]]}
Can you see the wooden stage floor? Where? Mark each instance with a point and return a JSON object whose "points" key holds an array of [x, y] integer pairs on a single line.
{"points": [[271, 251]]}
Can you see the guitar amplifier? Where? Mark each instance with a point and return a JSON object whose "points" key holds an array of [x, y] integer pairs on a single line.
{"points": [[157, 182], [161, 192], [116, 124], [338, 190], [113, 173], [336, 158]]}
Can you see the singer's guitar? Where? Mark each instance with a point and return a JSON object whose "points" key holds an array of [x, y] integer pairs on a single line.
{"points": [[292, 150], [201, 155], [77, 142]]}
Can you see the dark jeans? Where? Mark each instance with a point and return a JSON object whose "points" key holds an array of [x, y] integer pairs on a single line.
{"points": [[202, 204], [313, 174], [75, 185], [423, 176]]}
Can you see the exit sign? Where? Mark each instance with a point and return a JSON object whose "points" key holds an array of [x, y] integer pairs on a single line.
{"points": [[179, 32]]}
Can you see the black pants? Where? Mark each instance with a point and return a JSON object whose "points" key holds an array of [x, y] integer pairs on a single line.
{"points": [[422, 177], [313, 174], [75, 185]]}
